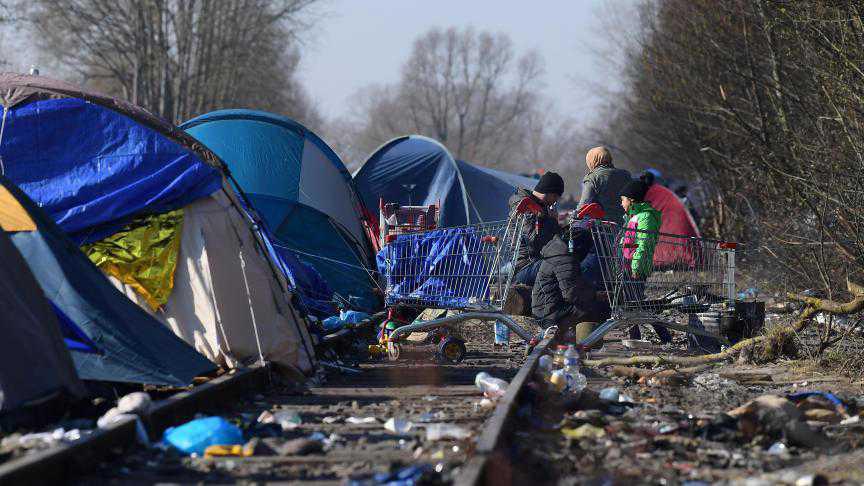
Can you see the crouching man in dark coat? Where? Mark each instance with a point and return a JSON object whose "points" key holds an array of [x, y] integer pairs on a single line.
{"points": [[561, 296]]}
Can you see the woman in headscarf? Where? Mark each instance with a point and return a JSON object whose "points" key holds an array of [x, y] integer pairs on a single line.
{"points": [[603, 183]]}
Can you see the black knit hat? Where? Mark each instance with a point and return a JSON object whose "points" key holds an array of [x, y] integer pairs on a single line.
{"points": [[550, 183], [635, 190]]}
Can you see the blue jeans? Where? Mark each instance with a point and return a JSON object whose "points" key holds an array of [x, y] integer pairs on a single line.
{"points": [[528, 274]]}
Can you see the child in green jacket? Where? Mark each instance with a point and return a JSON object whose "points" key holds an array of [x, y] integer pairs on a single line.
{"points": [[641, 233]]}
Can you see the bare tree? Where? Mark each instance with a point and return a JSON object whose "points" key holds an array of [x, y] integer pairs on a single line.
{"points": [[470, 91], [179, 58], [759, 102]]}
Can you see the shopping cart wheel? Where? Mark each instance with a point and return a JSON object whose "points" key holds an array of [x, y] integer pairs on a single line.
{"points": [[393, 350], [451, 350]]}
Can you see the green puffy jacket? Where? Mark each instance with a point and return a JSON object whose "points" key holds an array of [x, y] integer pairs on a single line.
{"points": [[638, 246]]}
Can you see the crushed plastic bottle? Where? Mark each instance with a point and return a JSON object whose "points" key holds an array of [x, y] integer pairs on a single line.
{"points": [[398, 425], [778, 449], [490, 386], [558, 380], [445, 431], [576, 381], [610, 394], [558, 356], [287, 419]]}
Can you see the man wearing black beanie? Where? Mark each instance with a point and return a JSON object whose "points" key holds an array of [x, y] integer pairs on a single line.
{"points": [[538, 229]]}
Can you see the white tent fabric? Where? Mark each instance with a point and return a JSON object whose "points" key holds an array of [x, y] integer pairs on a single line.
{"points": [[226, 300], [323, 187]]}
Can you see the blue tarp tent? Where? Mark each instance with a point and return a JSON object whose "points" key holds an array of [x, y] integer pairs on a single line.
{"points": [[109, 337], [303, 192], [418, 170], [98, 166]]}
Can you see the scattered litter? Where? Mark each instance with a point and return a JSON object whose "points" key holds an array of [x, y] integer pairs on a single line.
{"points": [[427, 417], [59, 435], [229, 451], [585, 431], [195, 436], [637, 344], [490, 386], [775, 416], [398, 425], [851, 420], [430, 398], [138, 403], [330, 420], [609, 394], [446, 431], [483, 404], [778, 449], [421, 474], [287, 419], [361, 420], [712, 382]]}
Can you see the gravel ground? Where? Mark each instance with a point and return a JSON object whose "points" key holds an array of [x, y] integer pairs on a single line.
{"points": [[415, 388], [663, 439]]}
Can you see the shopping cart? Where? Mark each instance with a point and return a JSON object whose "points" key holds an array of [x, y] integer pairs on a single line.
{"points": [[396, 220], [691, 279], [467, 269]]}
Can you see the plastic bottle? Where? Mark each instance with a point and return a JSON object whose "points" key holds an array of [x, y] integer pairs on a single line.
{"points": [[610, 394], [572, 355], [558, 356], [576, 381], [558, 380], [490, 386]]}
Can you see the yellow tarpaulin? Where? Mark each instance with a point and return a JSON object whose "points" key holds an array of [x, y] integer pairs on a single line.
{"points": [[143, 255], [13, 216]]}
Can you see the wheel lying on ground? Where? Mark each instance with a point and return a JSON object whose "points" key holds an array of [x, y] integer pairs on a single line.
{"points": [[451, 350]]}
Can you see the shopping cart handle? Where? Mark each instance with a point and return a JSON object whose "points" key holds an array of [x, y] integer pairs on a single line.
{"points": [[529, 205], [491, 239], [593, 211]]}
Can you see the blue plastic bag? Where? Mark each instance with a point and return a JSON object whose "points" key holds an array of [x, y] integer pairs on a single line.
{"points": [[195, 436], [335, 323]]}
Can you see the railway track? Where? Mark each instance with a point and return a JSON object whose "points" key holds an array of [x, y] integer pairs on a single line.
{"points": [[339, 414]]}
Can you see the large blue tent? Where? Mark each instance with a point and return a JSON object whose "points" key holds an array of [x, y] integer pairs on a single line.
{"points": [[420, 171], [303, 192], [109, 337]]}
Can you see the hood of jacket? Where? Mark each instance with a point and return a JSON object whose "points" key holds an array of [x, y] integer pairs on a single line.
{"points": [[556, 247], [641, 207]]}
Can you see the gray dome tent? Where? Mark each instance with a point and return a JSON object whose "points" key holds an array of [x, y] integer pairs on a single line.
{"points": [[35, 366]]}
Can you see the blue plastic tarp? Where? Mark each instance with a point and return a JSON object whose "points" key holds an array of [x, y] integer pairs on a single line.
{"points": [[92, 169], [442, 268]]}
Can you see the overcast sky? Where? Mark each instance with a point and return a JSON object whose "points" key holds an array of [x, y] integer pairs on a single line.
{"points": [[361, 42]]}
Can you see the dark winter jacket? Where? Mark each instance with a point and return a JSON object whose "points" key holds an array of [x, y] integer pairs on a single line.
{"points": [[560, 291], [603, 185], [532, 239]]}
